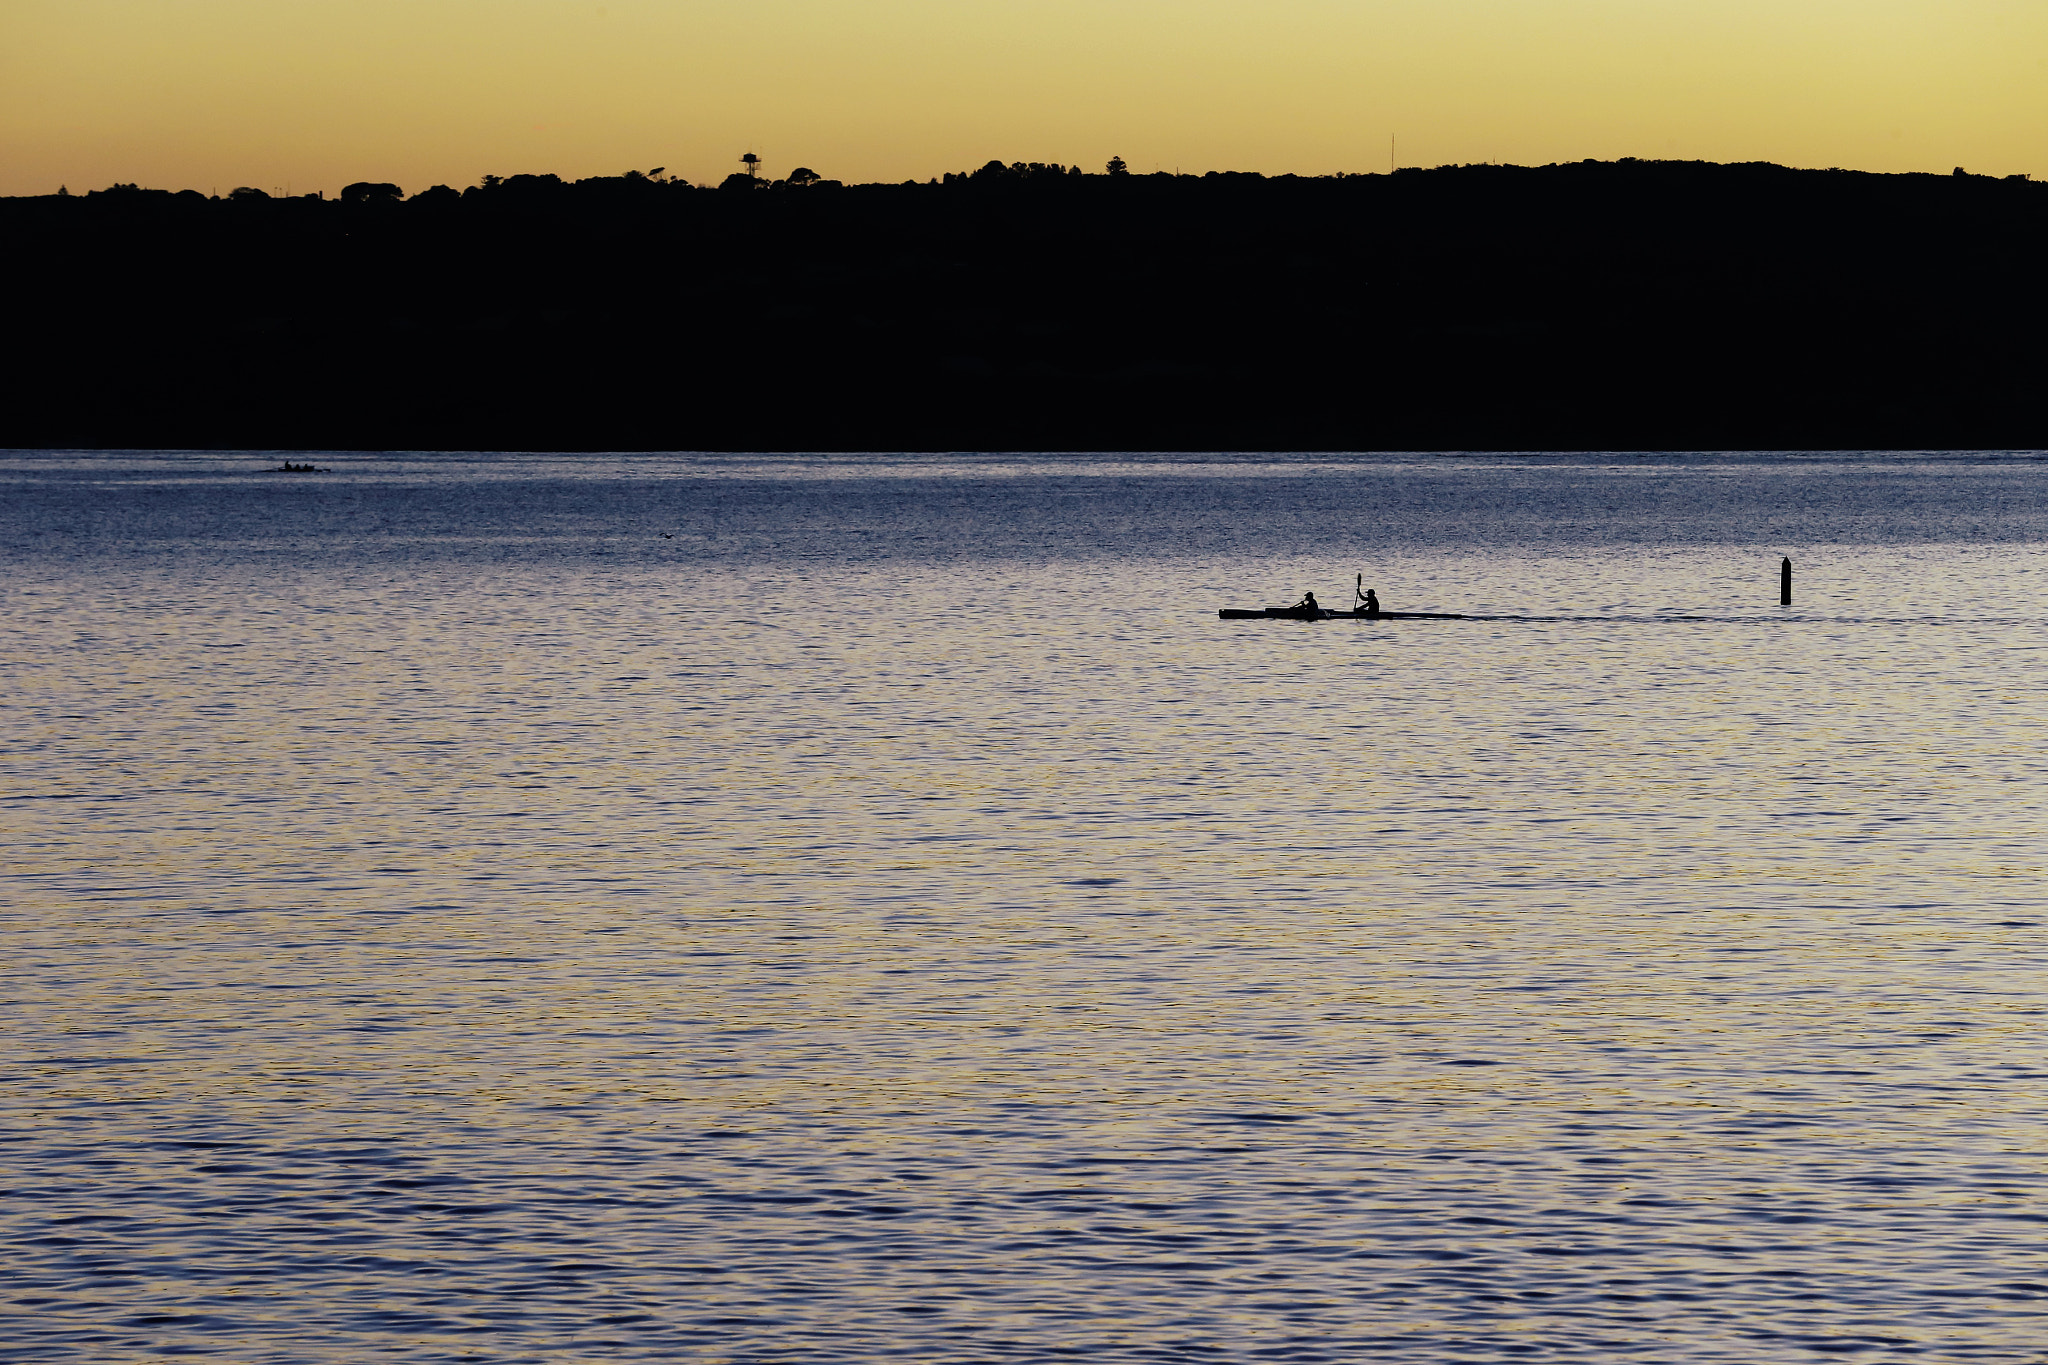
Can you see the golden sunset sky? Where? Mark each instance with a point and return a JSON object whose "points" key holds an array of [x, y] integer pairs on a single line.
{"points": [[312, 94]]}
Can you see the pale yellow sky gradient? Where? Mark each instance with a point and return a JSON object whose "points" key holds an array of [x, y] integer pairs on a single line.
{"points": [[316, 93]]}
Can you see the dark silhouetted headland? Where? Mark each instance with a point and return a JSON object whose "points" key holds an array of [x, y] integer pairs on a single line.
{"points": [[1630, 304]]}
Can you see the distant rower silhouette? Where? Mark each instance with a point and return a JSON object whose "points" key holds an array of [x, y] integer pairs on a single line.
{"points": [[1368, 600]]}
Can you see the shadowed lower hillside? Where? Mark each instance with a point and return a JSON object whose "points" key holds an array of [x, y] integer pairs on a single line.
{"points": [[1625, 304]]}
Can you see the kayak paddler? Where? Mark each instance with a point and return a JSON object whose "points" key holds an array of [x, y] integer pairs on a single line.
{"points": [[1368, 600]]}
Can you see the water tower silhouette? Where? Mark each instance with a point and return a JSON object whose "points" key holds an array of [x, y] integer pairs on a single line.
{"points": [[753, 165]]}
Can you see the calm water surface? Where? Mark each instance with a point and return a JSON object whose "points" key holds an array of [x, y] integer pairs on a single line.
{"points": [[528, 908]]}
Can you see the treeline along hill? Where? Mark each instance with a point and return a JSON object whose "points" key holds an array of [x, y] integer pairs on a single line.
{"points": [[1631, 304]]}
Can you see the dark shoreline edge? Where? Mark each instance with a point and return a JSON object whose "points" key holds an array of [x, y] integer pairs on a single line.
{"points": [[1591, 306]]}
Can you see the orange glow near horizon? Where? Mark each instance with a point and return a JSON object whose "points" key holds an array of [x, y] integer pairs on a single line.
{"points": [[313, 94]]}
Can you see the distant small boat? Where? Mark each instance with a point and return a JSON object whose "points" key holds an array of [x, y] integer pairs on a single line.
{"points": [[1321, 614], [1365, 603]]}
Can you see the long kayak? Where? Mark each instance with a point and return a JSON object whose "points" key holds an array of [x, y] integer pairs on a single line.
{"points": [[1296, 614]]}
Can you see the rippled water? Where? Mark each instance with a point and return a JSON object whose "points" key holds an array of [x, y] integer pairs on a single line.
{"points": [[555, 909]]}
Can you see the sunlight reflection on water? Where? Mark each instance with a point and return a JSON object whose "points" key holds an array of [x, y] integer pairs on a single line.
{"points": [[538, 908]]}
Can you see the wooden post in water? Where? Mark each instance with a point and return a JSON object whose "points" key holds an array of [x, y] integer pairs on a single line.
{"points": [[1785, 582]]}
